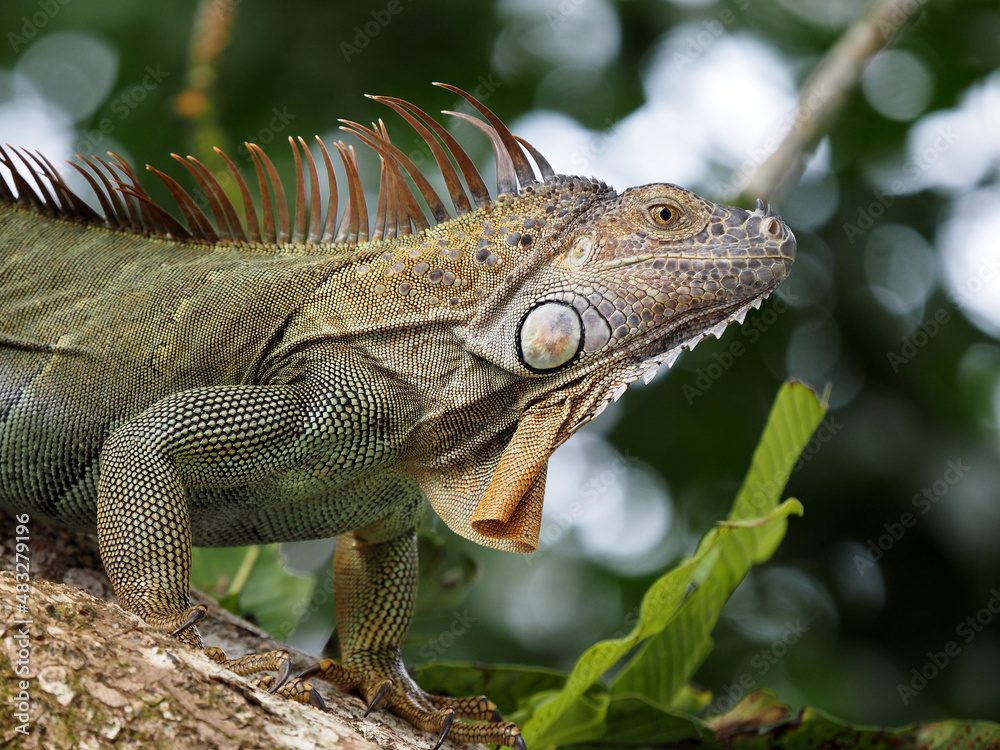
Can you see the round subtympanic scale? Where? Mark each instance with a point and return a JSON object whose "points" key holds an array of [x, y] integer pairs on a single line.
{"points": [[550, 335]]}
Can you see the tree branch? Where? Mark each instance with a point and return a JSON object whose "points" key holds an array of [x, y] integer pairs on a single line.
{"points": [[98, 676], [825, 93]]}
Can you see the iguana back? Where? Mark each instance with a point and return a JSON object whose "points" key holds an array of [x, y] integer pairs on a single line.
{"points": [[238, 380]]}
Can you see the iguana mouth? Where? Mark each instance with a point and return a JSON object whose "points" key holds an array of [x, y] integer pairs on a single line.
{"points": [[648, 368]]}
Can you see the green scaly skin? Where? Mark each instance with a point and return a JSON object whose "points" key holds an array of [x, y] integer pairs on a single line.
{"points": [[173, 393]]}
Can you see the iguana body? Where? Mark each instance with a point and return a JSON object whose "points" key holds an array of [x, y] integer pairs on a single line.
{"points": [[228, 388]]}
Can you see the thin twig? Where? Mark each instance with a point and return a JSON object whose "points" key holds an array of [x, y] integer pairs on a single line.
{"points": [[825, 92], [210, 36]]}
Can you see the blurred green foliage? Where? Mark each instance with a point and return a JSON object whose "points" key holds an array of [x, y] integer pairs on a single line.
{"points": [[893, 428]]}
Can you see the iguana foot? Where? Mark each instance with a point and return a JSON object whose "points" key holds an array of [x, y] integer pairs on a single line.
{"points": [[181, 625], [295, 689], [270, 661], [384, 683]]}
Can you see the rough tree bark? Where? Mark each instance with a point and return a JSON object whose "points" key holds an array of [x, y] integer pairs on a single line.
{"points": [[99, 677]]}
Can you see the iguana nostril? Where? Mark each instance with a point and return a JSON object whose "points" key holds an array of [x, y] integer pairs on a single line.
{"points": [[773, 228]]}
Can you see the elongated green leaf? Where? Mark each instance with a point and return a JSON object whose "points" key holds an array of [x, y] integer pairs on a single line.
{"points": [[667, 661], [677, 623], [633, 721], [253, 580]]}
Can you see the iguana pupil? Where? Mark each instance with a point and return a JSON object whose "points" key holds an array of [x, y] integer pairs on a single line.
{"points": [[550, 336]]}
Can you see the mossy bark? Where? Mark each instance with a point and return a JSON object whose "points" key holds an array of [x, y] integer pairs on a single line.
{"points": [[98, 677]]}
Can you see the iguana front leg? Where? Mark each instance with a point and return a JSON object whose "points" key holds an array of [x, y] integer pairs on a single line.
{"points": [[205, 437], [375, 588]]}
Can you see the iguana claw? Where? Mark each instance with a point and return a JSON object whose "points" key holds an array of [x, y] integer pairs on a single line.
{"points": [[383, 682], [195, 615], [382, 691], [286, 670], [449, 719]]}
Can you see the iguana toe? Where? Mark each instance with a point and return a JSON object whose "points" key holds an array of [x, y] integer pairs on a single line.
{"points": [[384, 683]]}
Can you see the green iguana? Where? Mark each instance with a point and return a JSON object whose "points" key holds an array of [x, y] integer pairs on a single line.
{"points": [[252, 380]]}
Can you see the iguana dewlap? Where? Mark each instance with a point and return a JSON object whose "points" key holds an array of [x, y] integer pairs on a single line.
{"points": [[275, 377]]}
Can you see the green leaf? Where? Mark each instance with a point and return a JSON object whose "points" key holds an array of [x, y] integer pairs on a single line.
{"points": [[507, 686], [677, 623], [634, 721], [253, 582], [666, 662], [761, 722]]}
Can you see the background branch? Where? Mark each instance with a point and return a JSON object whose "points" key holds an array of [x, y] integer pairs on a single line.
{"points": [[825, 93]]}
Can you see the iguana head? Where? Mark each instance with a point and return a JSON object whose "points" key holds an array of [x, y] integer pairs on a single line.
{"points": [[618, 284]]}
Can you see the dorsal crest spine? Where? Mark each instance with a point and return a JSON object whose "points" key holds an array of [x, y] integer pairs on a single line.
{"points": [[126, 206]]}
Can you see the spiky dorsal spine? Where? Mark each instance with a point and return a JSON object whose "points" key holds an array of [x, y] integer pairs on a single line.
{"points": [[126, 206]]}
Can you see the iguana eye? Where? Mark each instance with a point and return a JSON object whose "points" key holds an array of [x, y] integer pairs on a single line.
{"points": [[580, 251], [663, 214], [550, 336]]}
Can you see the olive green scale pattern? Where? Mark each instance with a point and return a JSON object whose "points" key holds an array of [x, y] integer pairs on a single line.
{"points": [[170, 393]]}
